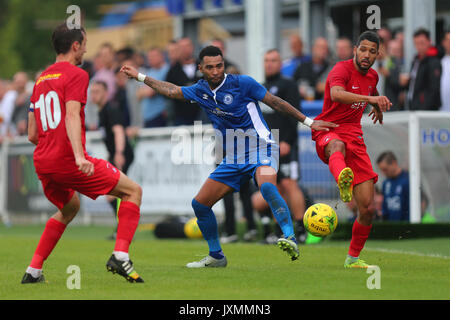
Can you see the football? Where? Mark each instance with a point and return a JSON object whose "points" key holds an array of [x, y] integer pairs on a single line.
{"points": [[191, 229], [320, 220]]}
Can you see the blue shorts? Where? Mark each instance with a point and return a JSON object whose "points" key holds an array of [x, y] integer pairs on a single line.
{"points": [[234, 175]]}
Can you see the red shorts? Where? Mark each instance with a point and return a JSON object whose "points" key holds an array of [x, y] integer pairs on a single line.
{"points": [[356, 156], [60, 187]]}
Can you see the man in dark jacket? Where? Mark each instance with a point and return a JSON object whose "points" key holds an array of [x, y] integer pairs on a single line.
{"points": [[184, 73], [309, 75], [424, 81], [288, 174]]}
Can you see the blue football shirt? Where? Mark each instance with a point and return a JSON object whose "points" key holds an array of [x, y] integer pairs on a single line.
{"points": [[235, 113], [396, 197]]}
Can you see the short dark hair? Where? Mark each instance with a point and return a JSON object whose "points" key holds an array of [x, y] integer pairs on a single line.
{"points": [[387, 156], [273, 50], [209, 51], [422, 32], [369, 36], [63, 38], [101, 83]]}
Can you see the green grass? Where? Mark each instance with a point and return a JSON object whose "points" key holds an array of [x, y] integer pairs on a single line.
{"points": [[410, 269]]}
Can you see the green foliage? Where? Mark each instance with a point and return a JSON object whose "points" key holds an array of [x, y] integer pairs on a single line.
{"points": [[26, 27]]}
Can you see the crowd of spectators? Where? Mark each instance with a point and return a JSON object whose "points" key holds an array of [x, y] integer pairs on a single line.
{"points": [[422, 86]]}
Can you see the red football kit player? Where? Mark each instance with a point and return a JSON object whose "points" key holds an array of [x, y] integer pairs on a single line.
{"points": [[350, 86], [56, 125]]}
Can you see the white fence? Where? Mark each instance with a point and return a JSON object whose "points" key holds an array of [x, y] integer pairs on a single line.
{"points": [[420, 140]]}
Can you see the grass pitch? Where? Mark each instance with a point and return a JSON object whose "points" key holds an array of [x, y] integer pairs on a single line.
{"points": [[409, 269]]}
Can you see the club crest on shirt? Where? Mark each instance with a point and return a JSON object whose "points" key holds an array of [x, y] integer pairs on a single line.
{"points": [[228, 99]]}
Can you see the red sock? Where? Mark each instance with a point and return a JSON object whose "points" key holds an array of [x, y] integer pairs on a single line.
{"points": [[360, 234], [52, 232], [128, 217], [336, 163]]}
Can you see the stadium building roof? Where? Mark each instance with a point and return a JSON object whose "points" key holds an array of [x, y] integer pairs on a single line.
{"points": [[123, 13]]}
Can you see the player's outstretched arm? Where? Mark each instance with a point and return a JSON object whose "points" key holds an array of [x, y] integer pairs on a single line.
{"points": [[339, 94], [73, 129], [162, 87], [281, 105]]}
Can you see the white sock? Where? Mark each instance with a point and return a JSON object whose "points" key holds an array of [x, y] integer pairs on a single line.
{"points": [[35, 273], [121, 256]]}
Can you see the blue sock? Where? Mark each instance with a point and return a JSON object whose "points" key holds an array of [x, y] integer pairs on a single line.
{"points": [[279, 208], [207, 223]]}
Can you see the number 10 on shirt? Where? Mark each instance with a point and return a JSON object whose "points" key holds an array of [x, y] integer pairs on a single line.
{"points": [[49, 119]]}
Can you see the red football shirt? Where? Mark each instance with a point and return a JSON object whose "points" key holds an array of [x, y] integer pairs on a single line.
{"points": [[58, 84], [348, 116]]}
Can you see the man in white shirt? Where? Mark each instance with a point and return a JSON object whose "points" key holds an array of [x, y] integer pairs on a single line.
{"points": [[445, 78], [7, 104]]}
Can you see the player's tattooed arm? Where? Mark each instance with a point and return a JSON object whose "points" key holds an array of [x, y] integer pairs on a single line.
{"points": [[162, 87], [165, 88], [281, 105]]}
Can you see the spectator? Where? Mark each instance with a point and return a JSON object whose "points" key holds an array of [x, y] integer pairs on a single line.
{"points": [[105, 66], [380, 67], [393, 68], [308, 73], [395, 188], [424, 79], [288, 175], [7, 105], [344, 49], [140, 60], [183, 73], [291, 64], [230, 67], [4, 88], [134, 106], [19, 118], [153, 105], [173, 54], [120, 100], [90, 109], [400, 37], [385, 34], [445, 78], [124, 54], [120, 153]]}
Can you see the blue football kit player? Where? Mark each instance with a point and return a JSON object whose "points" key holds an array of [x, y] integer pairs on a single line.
{"points": [[231, 103]]}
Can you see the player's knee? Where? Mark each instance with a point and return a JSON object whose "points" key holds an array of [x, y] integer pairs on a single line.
{"points": [[138, 191], [269, 191], [336, 146], [199, 208], [366, 211], [71, 209]]}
